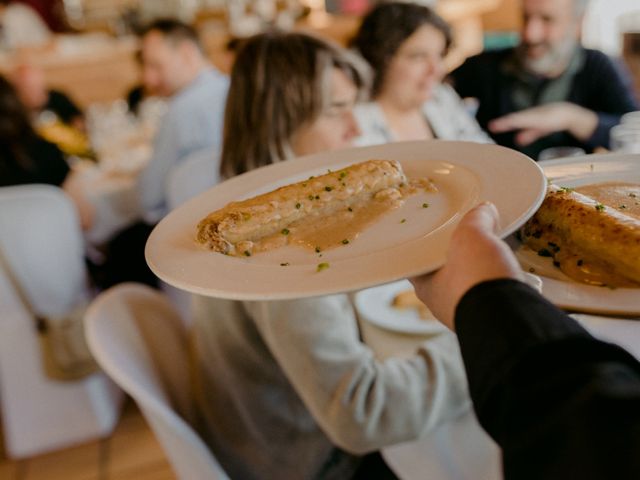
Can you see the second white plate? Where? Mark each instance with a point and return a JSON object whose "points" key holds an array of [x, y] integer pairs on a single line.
{"points": [[374, 305], [557, 287]]}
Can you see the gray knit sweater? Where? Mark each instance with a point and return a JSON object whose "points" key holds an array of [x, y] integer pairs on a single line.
{"points": [[287, 390]]}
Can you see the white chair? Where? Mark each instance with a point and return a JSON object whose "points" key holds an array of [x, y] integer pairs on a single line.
{"points": [[42, 245], [139, 340]]}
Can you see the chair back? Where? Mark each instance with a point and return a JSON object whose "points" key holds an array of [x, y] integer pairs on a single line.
{"points": [[43, 255], [139, 340], [193, 175], [41, 240]]}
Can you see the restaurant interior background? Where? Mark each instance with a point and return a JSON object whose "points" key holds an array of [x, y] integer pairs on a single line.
{"points": [[92, 57]]}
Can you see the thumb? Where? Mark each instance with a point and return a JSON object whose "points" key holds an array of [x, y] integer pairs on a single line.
{"points": [[484, 218]]}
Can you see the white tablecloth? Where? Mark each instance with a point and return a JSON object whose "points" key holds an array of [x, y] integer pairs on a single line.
{"points": [[113, 198]]}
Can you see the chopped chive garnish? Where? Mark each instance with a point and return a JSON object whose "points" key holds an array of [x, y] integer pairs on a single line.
{"points": [[285, 264], [425, 205], [247, 253], [318, 250], [310, 197], [322, 266], [345, 241], [403, 220], [298, 205], [328, 189], [543, 252], [350, 209], [622, 207], [317, 197], [566, 189], [285, 231], [599, 207]]}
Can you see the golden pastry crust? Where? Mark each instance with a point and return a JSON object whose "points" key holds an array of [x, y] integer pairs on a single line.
{"points": [[235, 227], [569, 223]]}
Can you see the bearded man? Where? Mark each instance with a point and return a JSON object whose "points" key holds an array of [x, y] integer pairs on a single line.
{"points": [[548, 91]]}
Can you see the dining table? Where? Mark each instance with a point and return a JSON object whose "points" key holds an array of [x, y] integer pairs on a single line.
{"points": [[122, 144]]}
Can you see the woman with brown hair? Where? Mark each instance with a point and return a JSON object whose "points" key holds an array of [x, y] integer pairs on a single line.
{"points": [[406, 44], [287, 389], [26, 157]]}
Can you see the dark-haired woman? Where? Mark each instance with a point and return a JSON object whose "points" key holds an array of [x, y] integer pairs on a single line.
{"points": [[25, 157], [406, 44]]}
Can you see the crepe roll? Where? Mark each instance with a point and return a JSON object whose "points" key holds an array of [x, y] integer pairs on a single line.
{"points": [[571, 222], [233, 229]]}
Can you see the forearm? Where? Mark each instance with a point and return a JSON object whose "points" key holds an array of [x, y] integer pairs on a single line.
{"points": [[360, 403], [580, 122], [601, 134], [545, 389]]}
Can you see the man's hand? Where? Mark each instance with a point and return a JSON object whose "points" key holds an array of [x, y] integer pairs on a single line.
{"points": [[536, 122], [475, 255]]}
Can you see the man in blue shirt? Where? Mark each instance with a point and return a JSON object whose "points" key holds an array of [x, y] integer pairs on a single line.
{"points": [[174, 65], [549, 91]]}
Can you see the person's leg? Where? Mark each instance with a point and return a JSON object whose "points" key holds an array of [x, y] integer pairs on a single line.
{"points": [[125, 260], [373, 467]]}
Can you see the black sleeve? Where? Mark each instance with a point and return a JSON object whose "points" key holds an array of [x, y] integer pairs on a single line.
{"points": [[464, 79], [560, 403], [51, 165], [63, 106]]}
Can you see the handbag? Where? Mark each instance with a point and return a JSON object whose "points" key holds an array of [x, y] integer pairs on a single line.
{"points": [[64, 351]]}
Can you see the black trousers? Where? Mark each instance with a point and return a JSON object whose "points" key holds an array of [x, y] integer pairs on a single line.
{"points": [[124, 259]]}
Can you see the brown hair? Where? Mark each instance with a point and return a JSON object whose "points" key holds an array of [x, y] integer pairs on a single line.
{"points": [[278, 84], [174, 31], [15, 124], [386, 27]]}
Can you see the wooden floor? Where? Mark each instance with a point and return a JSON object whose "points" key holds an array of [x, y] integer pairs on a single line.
{"points": [[130, 453]]}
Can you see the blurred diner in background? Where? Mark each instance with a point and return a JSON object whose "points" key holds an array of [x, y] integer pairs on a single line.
{"points": [[121, 106]]}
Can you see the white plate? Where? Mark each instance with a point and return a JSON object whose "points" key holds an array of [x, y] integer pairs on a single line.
{"points": [[465, 173], [375, 306], [557, 287]]}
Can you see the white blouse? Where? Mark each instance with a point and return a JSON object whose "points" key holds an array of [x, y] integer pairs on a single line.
{"points": [[445, 112]]}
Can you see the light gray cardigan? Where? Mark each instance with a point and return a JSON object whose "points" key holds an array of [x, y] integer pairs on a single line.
{"points": [[286, 388]]}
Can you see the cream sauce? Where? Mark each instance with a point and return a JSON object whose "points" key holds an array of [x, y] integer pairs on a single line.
{"points": [[624, 197], [342, 228], [318, 233]]}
